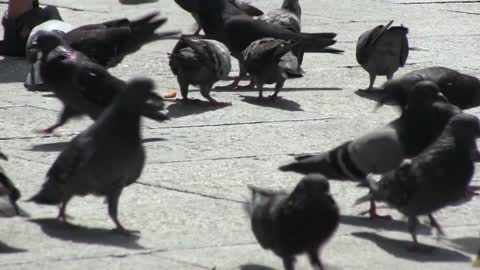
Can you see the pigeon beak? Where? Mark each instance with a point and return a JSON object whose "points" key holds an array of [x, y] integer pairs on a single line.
{"points": [[441, 97], [155, 99]]}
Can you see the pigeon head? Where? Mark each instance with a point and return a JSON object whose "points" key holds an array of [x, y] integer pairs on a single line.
{"points": [[45, 42], [425, 92], [465, 125], [139, 92]]}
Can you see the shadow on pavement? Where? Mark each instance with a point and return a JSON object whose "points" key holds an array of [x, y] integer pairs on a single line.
{"points": [[6, 249], [85, 235], [466, 244], [278, 103], [399, 249], [180, 109], [387, 225], [285, 89], [49, 147]]}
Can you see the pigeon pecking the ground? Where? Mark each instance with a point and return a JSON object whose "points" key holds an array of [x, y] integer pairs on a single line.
{"points": [[200, 62], [270, 60], [83, 86], [291, 224], [383, 50], [9, 189], [460, 89], [435, 178], [103, 159], [222, 21], [383, 149], [192, 7], [109, 42]]}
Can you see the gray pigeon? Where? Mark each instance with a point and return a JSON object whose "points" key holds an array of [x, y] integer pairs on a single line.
{"points": [[383, 50], [8, 188], [83, 86], [103, 159], [199, 62], [269, 61], [193, 7], [435, 178], [291, 224], [383, 149], [460, 89]]}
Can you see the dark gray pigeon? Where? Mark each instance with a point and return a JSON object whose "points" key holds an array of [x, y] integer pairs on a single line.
{"points": [[460, 89], [9, 189], [109, 42], [435, 178], [83, 86], [193, 7], [103, 159], [200, 62], [295, 223], [383, 50], [269, 61], [384, 149]]}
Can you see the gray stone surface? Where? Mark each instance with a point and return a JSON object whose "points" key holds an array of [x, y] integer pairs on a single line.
{"points": [[188, 203]]}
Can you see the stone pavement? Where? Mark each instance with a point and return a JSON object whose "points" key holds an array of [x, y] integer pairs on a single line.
{"points": [[188, 202]]}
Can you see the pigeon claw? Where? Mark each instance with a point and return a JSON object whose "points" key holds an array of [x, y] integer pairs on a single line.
{"points": [[125, 232]]}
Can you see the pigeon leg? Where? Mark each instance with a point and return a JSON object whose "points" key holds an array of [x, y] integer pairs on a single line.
{"points": [[205, 91], [372, 81], [315, 260], [62, 216], [278, 87], [373, 212], [65, 115], [112, 200], [470, 192], [288, 263], [260, 90], [436, 225], [236, 81], [389, 76], [183, 88], [417, 247]]}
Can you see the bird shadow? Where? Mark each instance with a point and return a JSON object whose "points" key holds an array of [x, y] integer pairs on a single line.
{"points": [[278, 103], [466, 244], [252, 266], [13, 69], [136, 2], [180, 109], [49, 147], [284, 89], [85, 235], [49, 95], [399, 249], [151, 140], [387, 225], [6, 249]]}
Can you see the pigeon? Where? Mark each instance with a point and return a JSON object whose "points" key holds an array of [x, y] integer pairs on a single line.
{"points": [[383, 149], [291, 224], [200, 62], [460, 89], [103, 159], [83, 86], [109, 42], [383, 50], [242, 7], [270, 60], [9, 189], [222, 21], [436, 178]]}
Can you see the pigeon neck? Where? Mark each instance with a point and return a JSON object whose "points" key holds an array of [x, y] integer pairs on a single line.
{"points": [[292, 6]]}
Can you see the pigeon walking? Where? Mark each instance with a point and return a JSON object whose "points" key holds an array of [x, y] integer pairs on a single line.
{"points": [[199, 62], [383, 50], [460, 89], [109, 42], [269, 61], [435, 178], [383, 149], [103, 159], [291, 224], [8, 188], [81, 85]]}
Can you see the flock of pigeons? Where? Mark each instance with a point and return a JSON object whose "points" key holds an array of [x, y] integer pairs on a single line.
{"points": [[419, 163]]}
